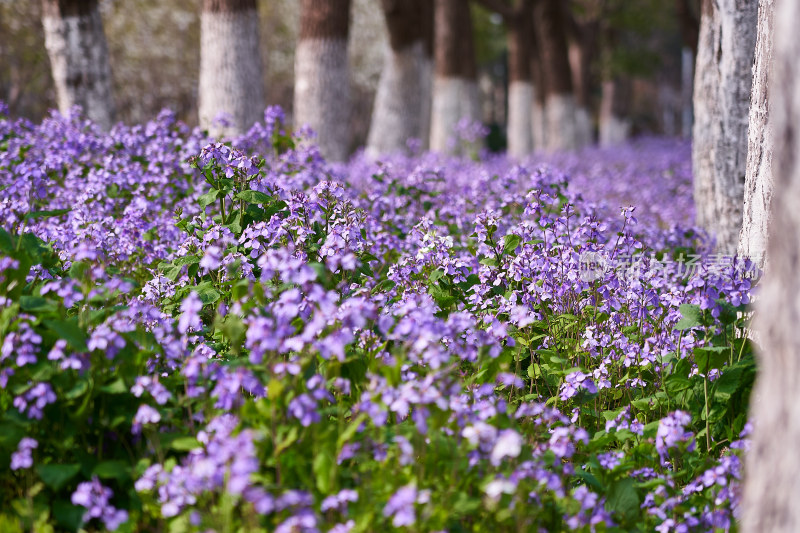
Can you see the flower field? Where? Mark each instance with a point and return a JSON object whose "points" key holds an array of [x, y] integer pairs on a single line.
{"points": [[242, 337]]}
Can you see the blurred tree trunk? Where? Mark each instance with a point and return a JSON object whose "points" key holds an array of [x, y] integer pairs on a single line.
{"points": [[559, 99], [518, 19], [723, 80], [231, 72], [615, 126], [76, 45], [537, 113], [322, 77], [455, 84], [772, 470], [582, 53], [399, 112], [758, 178]]}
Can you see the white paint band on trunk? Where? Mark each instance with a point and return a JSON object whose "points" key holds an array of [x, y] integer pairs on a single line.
{"points": [[79, 62], [520, 119], [560, 118], [453, 99], [322, 94], [231, 74], [399, 112]]}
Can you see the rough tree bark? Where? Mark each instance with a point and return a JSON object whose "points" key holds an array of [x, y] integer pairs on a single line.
{"points": [[322, 78], [231, 73], [723, 79], [772, 469], [559, 99], [615, 127], [404, 87], [758, 178], [76, 45], [455, 85]]}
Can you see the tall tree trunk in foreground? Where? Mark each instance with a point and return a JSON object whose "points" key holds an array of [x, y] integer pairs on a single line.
{"points": [[723, 80], [76, 45], [758, 179], [322, 77], [231, 72], [615, 126], [559, 99], [772, 470], [399, 111], [455, 85]]}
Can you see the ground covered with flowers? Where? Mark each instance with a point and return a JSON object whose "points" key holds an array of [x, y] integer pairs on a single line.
{"points": [[242, 337]]}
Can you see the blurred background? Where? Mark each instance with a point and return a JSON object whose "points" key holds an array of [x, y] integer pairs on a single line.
{"points": [[154, 46]]}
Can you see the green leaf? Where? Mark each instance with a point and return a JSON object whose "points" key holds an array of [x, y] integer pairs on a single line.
{"points": [[36, 304], [350, 430], [510, 243], [675, 384], [711, 357], [70, 332], [67, 515], [115, 387], [207, 199], [184, 444], [623, 498], [47, 214], [727, 384], [254, 197], [56, 476], [186, 260], [119, 470], [207, 293], [324, 468], [692, 317]]}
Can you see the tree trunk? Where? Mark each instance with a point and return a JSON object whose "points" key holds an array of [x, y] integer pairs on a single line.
{"points": [[581, 56], [231, 73], [758, 179], [615, 127], [455, 86], [322, 79], [405, 79], [76, 45], [559, 104], [520, 85], [723, 80], [537, 113], [772, 471]]}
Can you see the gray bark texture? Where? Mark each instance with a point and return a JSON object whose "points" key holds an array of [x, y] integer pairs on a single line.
{"points": [[772, 467], [322, 75], [723, 81], [402, 100], [231, 72], [758, 179], [76, 45]]}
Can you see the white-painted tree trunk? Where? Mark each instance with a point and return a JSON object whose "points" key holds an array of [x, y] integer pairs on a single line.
{"points": [[231, 72], [758, 183], [687, 81], [427, 101], [322, 94], [520, 116], [399, 113], [561, 132], [721, 103], [772, 467], [78, 52], [453, 99], [583, 127], [538, 123], [614, 130]]}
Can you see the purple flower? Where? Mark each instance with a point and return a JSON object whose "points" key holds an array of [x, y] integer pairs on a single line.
{"points": [[23, 458], [401, 506], [95, 498], [190, 313]]}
